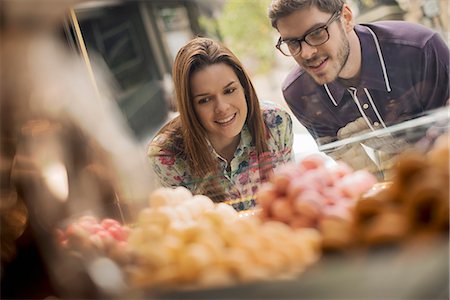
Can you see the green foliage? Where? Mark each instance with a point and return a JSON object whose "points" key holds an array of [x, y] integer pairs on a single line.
{"points": [[210, 26], [245, 28]]}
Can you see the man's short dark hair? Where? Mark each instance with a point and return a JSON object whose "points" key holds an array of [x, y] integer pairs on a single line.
{"points": [[281, 8]]}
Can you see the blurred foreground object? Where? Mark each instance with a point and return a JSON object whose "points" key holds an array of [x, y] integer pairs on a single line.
{"points": [[314, 194], [416, 204], [64, 151], [185, 241], [352, 211]]}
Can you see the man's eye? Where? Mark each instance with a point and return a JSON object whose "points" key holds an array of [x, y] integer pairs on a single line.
{"points": [[316, 33]]}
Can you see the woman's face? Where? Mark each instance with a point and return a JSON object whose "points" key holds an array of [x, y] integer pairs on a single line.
{"points": [[219, 102]]}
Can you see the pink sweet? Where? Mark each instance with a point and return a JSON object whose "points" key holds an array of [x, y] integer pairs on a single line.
{"points": [[95, 228], [118, 233], [281, 183], [302, 222], [281, 209], [341, 211], [334, 193], [355, 184], [339, 170], [297, 186], [76, 230], [312, 196], [266, 195], [105, 236], [60, 236], [308, 207], [301, 195], [313, 180], [312, 161], [106, 223]]}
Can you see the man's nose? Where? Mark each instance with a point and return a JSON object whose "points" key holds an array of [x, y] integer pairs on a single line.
{"points": [[308, 51]]}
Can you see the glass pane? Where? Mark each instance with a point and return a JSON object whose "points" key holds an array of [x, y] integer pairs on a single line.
{"points": [[176, 27], [119, 35]]}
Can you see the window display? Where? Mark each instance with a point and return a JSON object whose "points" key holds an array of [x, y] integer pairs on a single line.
{"points": [[83, 217]]}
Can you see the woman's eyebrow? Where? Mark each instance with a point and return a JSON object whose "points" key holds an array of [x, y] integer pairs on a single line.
{"points": [[207, 94], [201, 95], [231, 83]]}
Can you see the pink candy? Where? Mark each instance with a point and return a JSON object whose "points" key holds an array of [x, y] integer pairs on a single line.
{"points": [[355, 184], [90, 229], [301, 194]]}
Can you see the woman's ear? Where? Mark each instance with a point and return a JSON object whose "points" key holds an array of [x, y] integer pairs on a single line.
{"points": [[347, 18]]}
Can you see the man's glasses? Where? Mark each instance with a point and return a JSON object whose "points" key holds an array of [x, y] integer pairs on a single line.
{"points": [[317, 37]]}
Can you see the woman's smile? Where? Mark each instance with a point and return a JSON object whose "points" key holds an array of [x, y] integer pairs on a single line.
{"points": [[226, 121]]}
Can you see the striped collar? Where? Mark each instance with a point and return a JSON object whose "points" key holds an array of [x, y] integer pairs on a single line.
{"points": [[373, 67]]}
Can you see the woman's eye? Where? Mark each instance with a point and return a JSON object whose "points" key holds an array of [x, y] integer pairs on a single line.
{"points": [[204, 100], [230, 90]]}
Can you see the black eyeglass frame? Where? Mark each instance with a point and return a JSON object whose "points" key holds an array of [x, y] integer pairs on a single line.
{"points": [[299, 40]]}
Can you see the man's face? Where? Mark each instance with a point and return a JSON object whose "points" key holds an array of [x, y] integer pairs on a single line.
{"points": [[325, 62]]}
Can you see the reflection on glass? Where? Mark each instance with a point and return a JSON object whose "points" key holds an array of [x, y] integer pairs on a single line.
{"points": [[118, 34], [376, 151], [176, 27]]}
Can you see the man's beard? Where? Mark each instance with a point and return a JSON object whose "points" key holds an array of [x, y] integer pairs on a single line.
{"points": [[342, 55], [340, 60]]}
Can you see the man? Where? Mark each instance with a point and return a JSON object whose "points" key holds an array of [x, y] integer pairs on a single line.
{"points": [[352, 78], [384, 72]]}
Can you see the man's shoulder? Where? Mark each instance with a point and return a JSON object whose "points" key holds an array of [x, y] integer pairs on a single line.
{"points": [[299, 82], [400, 32]]}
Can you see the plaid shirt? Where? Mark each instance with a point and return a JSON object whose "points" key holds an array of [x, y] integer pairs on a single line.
{"points": [[242, 181]]}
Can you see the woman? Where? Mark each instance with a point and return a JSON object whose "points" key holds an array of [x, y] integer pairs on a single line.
{"points": [[223, 144]]}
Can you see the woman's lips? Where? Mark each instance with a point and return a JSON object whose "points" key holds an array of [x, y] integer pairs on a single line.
{"points": [[226, 121]]}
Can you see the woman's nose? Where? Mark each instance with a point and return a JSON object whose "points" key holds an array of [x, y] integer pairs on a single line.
{"points": [[221, 105]]}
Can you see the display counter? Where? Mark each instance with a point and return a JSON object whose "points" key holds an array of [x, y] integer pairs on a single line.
{"points": [[390, 242], [359, 237], [411, 272], [397, 245], [82, 218], [376, 151], [320, 230]]}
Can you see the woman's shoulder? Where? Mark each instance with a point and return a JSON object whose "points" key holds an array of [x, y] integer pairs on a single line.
{"points": [[168, 140], [274, 115]]}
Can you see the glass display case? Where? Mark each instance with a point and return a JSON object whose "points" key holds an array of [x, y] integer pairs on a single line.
{"points": [[165, 252], [376, 151], [415, 265], [82, 216]]}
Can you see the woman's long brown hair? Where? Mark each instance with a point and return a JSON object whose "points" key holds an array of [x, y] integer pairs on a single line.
{"points": [[194, 56]]}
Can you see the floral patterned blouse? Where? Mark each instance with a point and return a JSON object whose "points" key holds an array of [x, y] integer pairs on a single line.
{"points": [[243, 177]]}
